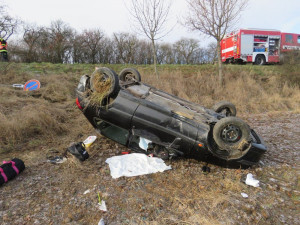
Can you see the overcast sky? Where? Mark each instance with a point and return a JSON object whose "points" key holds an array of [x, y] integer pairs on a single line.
{"points": [[112, 15]]}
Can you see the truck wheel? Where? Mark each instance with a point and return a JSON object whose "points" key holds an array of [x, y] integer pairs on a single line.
{"points": [[104, 82], [226, 108], [130, 74], [232, 135], [260, 60]]}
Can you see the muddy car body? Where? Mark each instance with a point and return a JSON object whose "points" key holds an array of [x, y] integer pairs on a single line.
{"points": [[131, 111]]}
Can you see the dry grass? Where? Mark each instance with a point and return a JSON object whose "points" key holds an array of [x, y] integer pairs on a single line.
{"points": [[101, 86], [248, 92]]}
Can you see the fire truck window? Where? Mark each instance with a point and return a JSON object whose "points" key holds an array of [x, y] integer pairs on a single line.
{"points": [[298, 39], [289, 38]]}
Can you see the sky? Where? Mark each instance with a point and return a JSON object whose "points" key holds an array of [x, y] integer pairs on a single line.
{"points": [[112, 15]]}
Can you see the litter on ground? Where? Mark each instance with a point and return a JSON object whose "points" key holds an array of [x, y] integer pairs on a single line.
{"points": [[89, 141], [86, 192], [244, 195], [134, 165], [102, 206], [251, 181], [57, 159], [101, 222]]}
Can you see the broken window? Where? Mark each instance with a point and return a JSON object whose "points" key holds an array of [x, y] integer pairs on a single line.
{"points": [[115, 133]]}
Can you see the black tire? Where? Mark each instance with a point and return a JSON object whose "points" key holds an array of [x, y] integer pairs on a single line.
{"points": [[232, 136], [103, 75], [260, 60], [130, 74], [225, 107]]}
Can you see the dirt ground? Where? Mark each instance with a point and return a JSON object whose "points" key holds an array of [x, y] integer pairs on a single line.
{"points": [[54, 194]]}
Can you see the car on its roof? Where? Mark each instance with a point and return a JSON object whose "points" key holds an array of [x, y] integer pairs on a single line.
{"points": [[130, 112]]}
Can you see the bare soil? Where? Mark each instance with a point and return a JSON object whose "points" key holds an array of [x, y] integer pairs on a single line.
{"points": [[54, 194]]}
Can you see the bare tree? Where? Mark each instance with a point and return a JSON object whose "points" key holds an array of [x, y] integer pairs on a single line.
{"points": [[8, 24], [125, 46], [186, 48], [31, 38], [214, 18], [60, 35], [165, 54], [92, 41], [151, 16]]}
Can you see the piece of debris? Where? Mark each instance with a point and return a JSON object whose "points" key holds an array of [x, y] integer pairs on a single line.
{"points": [[78, 150], [206, 169], [244, 195], [144, 143], [251, 181], [89, 141], [101, 222], [102, 206], [134, 165], [87, 191], [57, 159]]}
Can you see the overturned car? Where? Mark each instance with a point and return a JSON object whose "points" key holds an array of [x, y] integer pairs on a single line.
{"points": [[128, 111]]}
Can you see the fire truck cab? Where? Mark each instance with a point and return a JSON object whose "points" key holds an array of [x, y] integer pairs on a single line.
{"points": [[257, 46], [290, 42]]}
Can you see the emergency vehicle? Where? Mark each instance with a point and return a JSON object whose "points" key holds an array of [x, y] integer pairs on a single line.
{"points": [[259, 46]]}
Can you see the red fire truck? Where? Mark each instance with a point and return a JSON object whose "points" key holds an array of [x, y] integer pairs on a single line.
{"points": [[259, 46]]}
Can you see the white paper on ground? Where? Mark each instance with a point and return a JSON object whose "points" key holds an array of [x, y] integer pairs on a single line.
{"points": [[144, 143], [244, 195], [251, 181], [102, 206], [101, 222], [87, 191], [134, 165]]}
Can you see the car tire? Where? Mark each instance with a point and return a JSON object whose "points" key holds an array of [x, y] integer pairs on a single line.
{"points": [[105, 75], [130, 74], [232, 135], [225, 107], [260, 60]]}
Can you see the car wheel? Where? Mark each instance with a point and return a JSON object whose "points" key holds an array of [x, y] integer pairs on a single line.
{"points": [[130, 74], [260, 60], [232, 135], [105, 82], [226, 108]]}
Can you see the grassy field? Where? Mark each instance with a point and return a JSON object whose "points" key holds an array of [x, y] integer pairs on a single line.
{"points": [[33, 124]]}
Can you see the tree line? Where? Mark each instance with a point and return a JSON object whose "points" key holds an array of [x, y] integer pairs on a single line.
{"points": [[60, 43]]}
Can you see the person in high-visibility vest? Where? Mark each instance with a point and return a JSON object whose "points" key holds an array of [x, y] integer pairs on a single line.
{"points": [[3, 50]]}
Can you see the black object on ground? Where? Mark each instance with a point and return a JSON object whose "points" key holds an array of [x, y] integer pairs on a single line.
{"points": [[78, 150], [10, 169], [206, 169]]}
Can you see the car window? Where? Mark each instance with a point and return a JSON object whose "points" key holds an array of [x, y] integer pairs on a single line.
{"points": [[289, 38], [298, 39], [115, 133]]}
